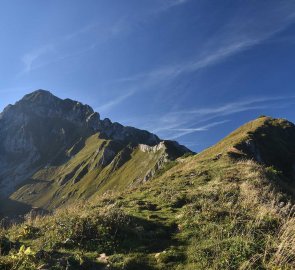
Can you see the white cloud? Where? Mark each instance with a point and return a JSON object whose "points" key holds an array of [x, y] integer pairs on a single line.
{"points": [[30, 58], [234, 37], [115, 101], [176, 124], [234, 107], [167, 4], [97, 34], [185, 131]]}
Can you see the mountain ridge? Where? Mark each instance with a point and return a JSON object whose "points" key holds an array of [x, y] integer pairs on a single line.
{"points": [[43, 133]]}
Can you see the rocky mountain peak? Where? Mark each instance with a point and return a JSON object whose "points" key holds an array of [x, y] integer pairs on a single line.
{"points": [[43, 104], [39, 96], [39, 99]]}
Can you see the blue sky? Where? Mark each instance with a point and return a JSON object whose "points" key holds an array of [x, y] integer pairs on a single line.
{"points": [[188, 70]]}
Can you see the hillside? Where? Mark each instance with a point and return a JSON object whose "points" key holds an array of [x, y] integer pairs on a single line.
{"points": [[228, 207], [55, 151]]}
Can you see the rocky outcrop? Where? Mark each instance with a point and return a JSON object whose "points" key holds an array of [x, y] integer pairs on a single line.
{"points": [[175, 149], [152, 149], [121, 158], [159, 165]]}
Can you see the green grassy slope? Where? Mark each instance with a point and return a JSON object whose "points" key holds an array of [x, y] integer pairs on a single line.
{"points": [[220, 209], [102, 165]]}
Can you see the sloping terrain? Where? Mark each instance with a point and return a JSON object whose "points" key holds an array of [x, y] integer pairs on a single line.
{"points": [[55, 151], [101, 166], [229, 207]]}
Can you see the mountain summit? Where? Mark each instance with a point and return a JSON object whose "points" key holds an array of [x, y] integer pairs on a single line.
{"points": [[53, 146]]}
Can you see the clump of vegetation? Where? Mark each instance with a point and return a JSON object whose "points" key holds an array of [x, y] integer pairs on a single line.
{"points": [[69, 231], [94, 230]]}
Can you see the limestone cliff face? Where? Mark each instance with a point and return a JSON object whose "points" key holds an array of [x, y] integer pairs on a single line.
{"points": [[43, 131]]}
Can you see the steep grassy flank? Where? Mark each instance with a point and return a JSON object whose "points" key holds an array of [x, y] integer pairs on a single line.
{"points": [[214, 210], [102, 165]]}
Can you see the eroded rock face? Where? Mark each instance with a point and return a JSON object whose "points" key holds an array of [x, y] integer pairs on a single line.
{"points": [[174, 148], [151, 149], [170, 151], [159, 165]]}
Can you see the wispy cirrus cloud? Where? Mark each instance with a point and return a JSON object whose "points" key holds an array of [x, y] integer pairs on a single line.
{"points": [[237, 106], [100, 33], [167, 74], [177, 124], [180, 132], [167, 4], [33, 56], [239, 34], [54, 52], [115, 101], [57, 50]]}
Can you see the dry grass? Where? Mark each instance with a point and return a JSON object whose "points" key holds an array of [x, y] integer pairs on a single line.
{"points": [[285, 250]]}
